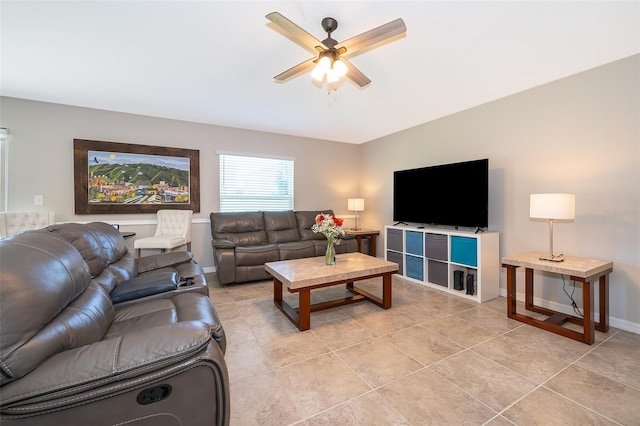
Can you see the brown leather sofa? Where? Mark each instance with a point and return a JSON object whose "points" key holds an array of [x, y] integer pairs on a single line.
{"points": [[70, 356], [244, 241], [112, 264]]}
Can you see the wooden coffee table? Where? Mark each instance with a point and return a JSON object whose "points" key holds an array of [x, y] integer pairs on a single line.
{"points": [[303, 275]]}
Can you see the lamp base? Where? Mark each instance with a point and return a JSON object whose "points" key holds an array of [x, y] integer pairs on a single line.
{"points": [[356, 229], [553, 258]]}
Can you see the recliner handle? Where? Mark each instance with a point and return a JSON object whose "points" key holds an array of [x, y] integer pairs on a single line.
{"points": [[154, 394]]}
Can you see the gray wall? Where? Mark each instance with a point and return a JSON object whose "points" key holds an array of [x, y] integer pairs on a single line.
{"points": [[580, 134], [41, 162]]}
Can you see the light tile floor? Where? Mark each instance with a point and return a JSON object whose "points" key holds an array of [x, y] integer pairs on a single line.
{"points": [[432, 359]]}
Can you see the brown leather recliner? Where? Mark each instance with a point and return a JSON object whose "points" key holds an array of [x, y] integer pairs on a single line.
{"points": [[243, 242], [70, 356], [112, 265]]}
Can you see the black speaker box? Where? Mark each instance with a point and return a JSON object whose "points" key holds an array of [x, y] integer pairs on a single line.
{"points": [[471, 287], [458, 280]]}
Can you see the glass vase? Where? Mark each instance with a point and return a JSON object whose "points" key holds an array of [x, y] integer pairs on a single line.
{"points": [[330, 254]]}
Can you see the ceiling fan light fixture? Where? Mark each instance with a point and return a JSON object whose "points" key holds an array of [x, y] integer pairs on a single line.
{"points": [[323, 66], [340, 68], [316, 74], [330, 50], [332, 76]]}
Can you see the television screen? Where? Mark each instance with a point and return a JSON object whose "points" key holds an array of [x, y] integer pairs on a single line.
{"points": [[455, 194]]}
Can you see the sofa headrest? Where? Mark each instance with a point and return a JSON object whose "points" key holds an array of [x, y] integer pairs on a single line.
{"points": [[43, 287], [231, 222], [281, 227], [243, 228], [99, 243]]}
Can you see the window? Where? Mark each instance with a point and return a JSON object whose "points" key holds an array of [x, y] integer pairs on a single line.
{"points": [[249, 183]]}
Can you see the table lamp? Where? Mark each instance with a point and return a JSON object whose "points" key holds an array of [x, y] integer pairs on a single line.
{"points": [[552, 207], [355, 205]]}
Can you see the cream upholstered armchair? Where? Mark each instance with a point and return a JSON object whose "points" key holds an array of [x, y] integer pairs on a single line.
{"points": [[172, 231], [12, 223]]}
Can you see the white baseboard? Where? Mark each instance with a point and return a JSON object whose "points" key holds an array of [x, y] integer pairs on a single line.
{"points": [[567, 309]]}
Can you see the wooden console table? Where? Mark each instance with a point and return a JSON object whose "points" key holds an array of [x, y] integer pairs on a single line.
{"points": [[578, 269], [367, 233]]}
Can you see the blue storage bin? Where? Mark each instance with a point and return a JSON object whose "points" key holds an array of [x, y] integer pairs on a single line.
{"points": [[415, 267], [464, 250], [414, 243]]}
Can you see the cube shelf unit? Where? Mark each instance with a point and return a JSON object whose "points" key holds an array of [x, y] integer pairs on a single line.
{"points": [[442, 259]]}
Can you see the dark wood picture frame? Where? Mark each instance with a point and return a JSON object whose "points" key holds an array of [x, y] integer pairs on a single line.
{"points": [[81, 148]]}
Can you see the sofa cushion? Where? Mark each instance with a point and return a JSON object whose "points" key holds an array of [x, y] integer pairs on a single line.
{"points": [[243, 229], [296, 250], [256, 255], [306, 219], [281, 227], [161, 312]]}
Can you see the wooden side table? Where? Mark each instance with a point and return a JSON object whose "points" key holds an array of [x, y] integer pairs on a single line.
{"points": [[372, 234], [578, 269]]}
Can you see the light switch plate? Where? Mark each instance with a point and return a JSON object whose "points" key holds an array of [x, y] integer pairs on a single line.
{"points": [[38, 200]]}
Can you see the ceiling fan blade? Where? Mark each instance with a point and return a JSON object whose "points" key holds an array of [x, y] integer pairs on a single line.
{"points": [[374, 36], [355, 74], [295, 33], [293, 71]]}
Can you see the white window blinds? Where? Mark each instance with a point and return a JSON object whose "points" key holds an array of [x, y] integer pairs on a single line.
{"points": [[249, 183]]}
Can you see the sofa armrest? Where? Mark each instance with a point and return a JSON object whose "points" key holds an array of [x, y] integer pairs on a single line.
{"points": [[162, 260], [224, 256], [144, 285], [223, 244], [110, 366]]}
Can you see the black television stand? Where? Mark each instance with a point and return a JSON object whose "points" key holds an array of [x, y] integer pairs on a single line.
{"points": [[400, 223]]}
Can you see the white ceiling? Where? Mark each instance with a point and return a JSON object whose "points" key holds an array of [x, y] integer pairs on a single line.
{"points": [[214, 61]]}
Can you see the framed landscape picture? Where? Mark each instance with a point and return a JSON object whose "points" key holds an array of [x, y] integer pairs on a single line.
{"points": [[113, 177]]}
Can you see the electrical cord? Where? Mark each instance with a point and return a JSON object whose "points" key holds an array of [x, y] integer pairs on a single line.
{"points": [[573, 302]]}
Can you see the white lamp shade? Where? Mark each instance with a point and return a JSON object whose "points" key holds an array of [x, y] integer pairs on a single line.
{"points": [[355, 204], [332, 76], [552, 206], [321, 68], [340, 68]]}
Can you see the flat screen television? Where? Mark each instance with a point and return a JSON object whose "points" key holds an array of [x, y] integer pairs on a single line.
{"points": [[455, 194]]}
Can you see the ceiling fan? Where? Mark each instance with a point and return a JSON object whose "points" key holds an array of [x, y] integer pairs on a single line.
{"points": [[331, 58]]}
